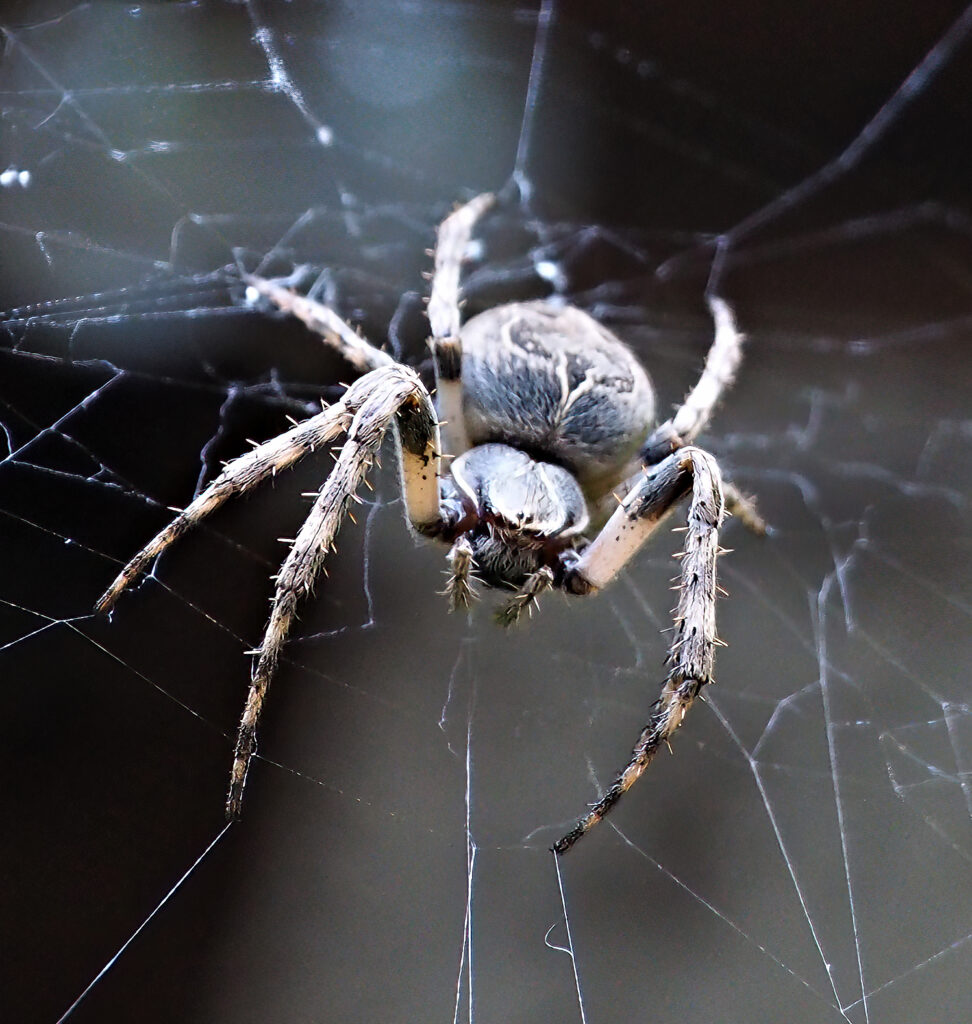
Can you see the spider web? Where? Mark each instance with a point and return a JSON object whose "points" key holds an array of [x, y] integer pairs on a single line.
{"points": [[806, 854]]}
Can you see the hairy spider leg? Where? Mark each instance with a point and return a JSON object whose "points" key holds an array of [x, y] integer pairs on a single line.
{"points": [[690, 419], [743, 507], [239, 476], [691, 653], [738, 504], [322, 320], [451, 248], [444, 311], [370, 405], [388, 394], [693, 415]]}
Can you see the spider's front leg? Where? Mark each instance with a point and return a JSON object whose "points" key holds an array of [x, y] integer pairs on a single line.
{"points": [[691, 653], [323, 321], [445, 315], [386, 394], [240, 476], [365, 412]]}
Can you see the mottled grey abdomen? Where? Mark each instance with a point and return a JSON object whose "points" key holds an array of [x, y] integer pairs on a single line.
{"points": [[552, 381]]}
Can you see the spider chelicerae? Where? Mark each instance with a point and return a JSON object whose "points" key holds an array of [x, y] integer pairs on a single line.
{"points": [[546, 418]]}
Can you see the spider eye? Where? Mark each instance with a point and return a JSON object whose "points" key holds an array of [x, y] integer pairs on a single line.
{"points": [[513, 490]]}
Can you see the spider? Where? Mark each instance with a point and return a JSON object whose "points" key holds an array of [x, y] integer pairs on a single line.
{"points": [[544, 415]]}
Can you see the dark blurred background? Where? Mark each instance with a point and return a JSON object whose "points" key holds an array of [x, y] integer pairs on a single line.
{"points": [[805, 855]]}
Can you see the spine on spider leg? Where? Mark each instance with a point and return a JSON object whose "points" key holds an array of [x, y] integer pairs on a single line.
{"points": [[692, 651]]}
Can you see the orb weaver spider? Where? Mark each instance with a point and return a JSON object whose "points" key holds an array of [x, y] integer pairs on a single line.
{"points": [[544, 415]]}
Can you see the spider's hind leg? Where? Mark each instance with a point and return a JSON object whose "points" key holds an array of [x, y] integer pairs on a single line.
{"points": [[693, 415], [744, 509]]}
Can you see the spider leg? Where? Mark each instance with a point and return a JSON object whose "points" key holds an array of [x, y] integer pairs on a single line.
{"points": [[691, 653], [239, 476], [694, 413], [322, 320], [451, 248], [387, 394], [744, 509], [738, 504]]}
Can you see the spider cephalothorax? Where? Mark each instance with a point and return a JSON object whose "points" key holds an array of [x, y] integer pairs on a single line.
{"points": [[522, 513], [557, 474]]}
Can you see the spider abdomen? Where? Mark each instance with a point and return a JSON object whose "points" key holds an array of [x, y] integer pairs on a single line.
{"points": [[553, 381]]}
